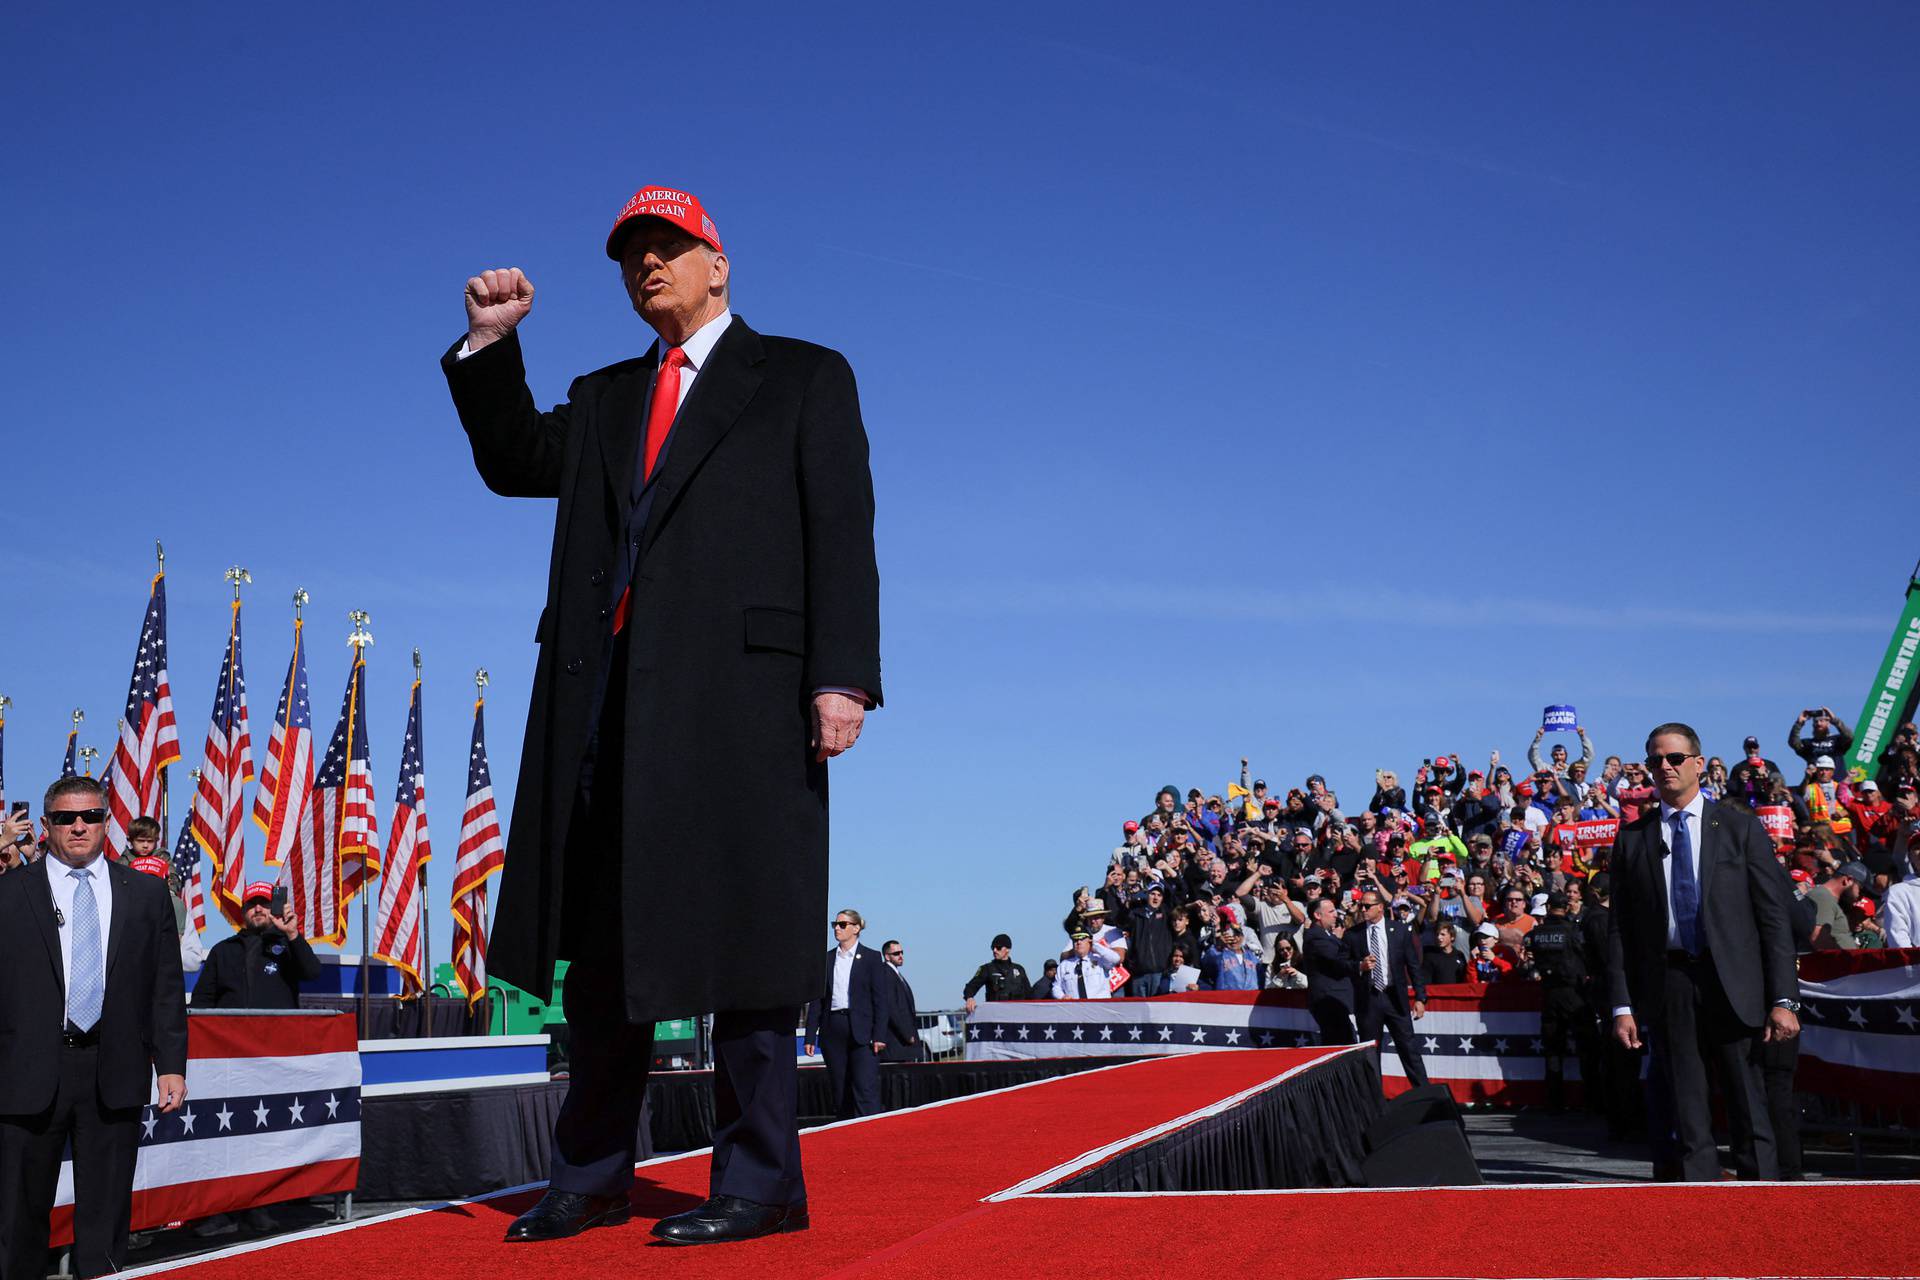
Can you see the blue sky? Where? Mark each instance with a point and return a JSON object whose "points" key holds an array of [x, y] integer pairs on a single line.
{"points": [[1331, 387]]}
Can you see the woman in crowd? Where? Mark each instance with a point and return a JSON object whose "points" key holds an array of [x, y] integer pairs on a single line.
{"points": [[1281, 973]]}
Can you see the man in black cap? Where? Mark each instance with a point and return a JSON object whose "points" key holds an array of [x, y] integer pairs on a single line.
{"points": [[1000, 977], [262, 965]]}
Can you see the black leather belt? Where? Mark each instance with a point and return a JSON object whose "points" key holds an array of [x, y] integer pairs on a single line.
{"points": [[75, 1038]]}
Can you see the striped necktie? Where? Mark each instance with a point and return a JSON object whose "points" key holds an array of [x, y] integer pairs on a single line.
{"points": [[86, 979]]}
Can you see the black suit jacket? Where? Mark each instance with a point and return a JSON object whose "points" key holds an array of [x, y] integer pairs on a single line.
{"points": [[1324, 959], [1403, 967], [869, 997], [903, 1029], [143, 1017], [751, 565], [1745, 915]]}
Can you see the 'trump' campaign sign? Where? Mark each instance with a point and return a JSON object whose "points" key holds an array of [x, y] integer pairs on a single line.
{"points": [[272, 1114]]}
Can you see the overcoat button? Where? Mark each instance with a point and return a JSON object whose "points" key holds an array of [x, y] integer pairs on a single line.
{"points": [[573, 666], [599, 576]]}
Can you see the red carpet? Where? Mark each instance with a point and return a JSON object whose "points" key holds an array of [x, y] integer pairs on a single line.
{"points": [[905, 1195]]}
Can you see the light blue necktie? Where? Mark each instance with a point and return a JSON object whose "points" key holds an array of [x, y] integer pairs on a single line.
{"points": [[84, 979]]}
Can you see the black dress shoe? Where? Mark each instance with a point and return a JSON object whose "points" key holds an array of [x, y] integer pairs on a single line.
{"points": [[726, 1218], [567, 1213]]}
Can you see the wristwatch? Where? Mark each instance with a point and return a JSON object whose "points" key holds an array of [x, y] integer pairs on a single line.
{"points": [[1791, 1006]]}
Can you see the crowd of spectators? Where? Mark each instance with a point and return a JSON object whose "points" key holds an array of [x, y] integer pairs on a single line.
{"points": [[1213, 890]]}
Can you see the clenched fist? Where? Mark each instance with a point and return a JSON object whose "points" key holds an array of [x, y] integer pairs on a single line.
{"points": [[497, 301]]}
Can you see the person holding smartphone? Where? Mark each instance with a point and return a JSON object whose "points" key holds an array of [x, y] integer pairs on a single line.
{"points": [[261, 966], [16, 838]]}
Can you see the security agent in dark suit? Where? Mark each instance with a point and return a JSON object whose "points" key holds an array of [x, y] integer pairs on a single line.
{"points": [[1324, 959], [711, 622], [1386, 961], [849, 1019], [1700, 962], [93, 1004], [903, 1026]]}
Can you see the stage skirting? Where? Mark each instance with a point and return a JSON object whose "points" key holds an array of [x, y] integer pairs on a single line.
{"points": [[1861, 1037], [272, 1114], [681, 1102]]}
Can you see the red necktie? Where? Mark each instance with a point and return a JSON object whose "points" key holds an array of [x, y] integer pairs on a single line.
{"points": [[660, 410], [666, 400]]}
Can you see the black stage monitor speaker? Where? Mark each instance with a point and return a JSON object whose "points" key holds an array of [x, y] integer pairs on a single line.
{"points": [[1434, 1154], [1414, 1107]]}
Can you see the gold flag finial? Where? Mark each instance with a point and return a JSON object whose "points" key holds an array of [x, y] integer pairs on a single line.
{"points": [[480, 679], [160, 554], [300, 598], [361, 637], [78, 716], [235, 576]]}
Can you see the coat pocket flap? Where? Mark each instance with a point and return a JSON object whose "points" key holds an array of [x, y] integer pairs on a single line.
{"points": [[781, 629]]}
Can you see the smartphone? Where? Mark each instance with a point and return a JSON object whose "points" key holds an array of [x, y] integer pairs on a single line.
{"points": [[279, 903], [26, 837]]}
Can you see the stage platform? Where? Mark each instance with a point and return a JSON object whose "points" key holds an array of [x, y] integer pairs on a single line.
{"points": [[973, 1186]]}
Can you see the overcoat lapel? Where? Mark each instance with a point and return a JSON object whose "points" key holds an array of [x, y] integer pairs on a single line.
{"points": [[1710, 837], [122, 896], [722, 391], [42, 913], [619, 426]]}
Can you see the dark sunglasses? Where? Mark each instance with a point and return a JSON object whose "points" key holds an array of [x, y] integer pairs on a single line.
{"points": [[896, 955], [67, 817], [1674, 758], [843, 924]]}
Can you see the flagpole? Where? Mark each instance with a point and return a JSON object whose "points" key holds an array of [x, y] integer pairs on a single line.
{"points": [[360, 638], [160, 554], [420, 896]]}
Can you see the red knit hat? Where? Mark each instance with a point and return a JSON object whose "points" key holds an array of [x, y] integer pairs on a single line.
{"points": [[680, 208]]}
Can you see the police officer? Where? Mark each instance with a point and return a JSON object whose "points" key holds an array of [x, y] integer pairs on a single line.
{"points": [[1002, 978], [1559, 957], [261, 966]]}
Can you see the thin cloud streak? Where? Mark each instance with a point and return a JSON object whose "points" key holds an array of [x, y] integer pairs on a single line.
{"points": [[1031, 599]]}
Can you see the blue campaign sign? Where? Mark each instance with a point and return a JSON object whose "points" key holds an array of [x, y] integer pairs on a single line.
{"points": [[1562, 719]]}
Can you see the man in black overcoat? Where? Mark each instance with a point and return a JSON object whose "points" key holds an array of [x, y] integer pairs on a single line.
{"points": [[711, 624], [903, 1021], [1329, 970], [1700, 962], [95, 1013]]}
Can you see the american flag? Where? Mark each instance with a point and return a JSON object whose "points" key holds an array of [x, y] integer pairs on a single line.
{"points": [[339, 839], [219, 811], [149, 740], [286, 776], [481, 855], [408, 849], [70, 767], [186, 869]]}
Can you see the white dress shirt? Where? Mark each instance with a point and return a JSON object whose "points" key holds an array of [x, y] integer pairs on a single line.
{"points": [[63, 886], [1693, 812], [843, 977], [1377, 945]]}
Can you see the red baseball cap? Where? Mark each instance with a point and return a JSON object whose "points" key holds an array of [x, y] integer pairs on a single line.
{"points": [[258, 889], [1129, 826], [152, 864], [680, 208], [1442, 762], [1801, 877], [1865, 906]]}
